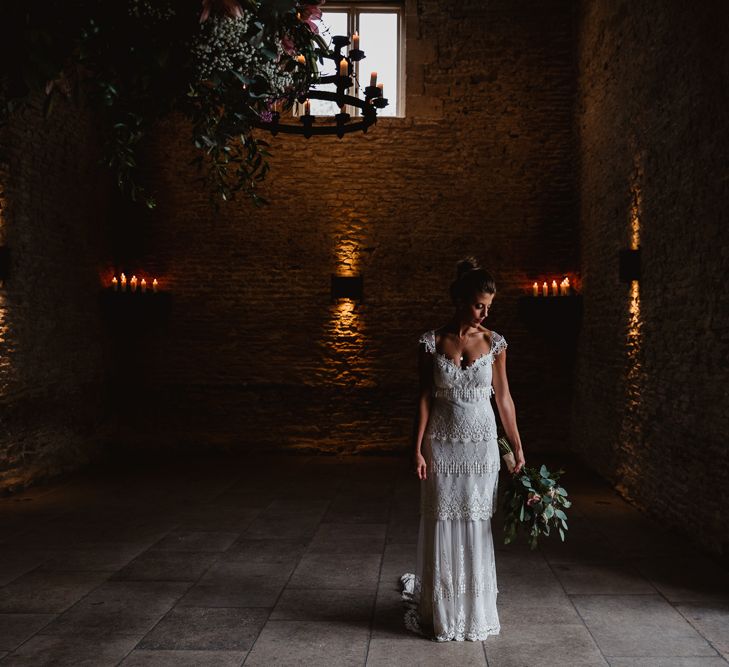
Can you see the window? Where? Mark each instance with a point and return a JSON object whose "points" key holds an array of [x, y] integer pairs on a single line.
{"points": [[380, 29]]}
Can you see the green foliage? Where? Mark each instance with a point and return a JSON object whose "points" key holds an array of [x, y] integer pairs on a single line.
{"points": [[136, 61]]}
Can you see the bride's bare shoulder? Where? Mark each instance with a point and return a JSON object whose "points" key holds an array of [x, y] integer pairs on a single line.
{"points": [[483, 330]]}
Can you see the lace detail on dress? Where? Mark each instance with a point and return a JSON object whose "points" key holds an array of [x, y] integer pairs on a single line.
{"points": [[463, 467], [459, 629], [429, 339], [444, 427], [476, 630], [453, 501], [467, 458], [498, 343], [463, 393]]}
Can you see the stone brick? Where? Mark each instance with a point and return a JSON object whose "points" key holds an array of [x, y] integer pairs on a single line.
{"points": [[650, 410]]}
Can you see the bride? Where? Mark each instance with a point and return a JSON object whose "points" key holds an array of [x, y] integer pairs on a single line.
{"points": [[452, 593]]}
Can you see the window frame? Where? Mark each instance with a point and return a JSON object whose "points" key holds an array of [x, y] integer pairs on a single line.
{"points": [[353, 11]]}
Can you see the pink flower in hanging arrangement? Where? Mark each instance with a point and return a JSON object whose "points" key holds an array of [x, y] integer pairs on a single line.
{"points": [[288, 45], [309, 13], [225, 7]]}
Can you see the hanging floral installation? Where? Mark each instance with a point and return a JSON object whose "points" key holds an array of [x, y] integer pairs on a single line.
{"points": [[223, 64]]}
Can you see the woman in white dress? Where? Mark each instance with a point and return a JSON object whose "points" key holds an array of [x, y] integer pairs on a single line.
{"points": [[452, 593]]}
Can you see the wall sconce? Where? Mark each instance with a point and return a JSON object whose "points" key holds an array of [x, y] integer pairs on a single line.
{"points": [[347, 287], [4, 263], [629, 262]]}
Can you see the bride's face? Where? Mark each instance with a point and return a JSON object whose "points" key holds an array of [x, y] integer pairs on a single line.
{"points": [[476, 309]]}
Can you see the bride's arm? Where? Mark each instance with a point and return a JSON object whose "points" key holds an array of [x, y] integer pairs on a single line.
{"points": [[422, 412], [505, 404]]}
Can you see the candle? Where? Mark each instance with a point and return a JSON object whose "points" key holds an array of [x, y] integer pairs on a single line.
{"points": [[563, 288], [355, 41], [343, 67], [300, 59], [535, 287], [133, 283], [307, 108], [123, 283], [544, 289], [566, 286], [144, 285], [154, 285], [115, 283], [373, 79], [381, 87], [554, 288]]}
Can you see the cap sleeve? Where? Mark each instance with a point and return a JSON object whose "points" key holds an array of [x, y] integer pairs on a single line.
{"points": [[498, 343], [429, 339]]}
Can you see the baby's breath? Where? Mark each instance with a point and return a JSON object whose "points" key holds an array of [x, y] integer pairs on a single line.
{"points": [[222, 44]]}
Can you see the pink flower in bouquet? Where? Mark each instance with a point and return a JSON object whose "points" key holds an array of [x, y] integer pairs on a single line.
{"points": [[309, 14], [533, 499]]}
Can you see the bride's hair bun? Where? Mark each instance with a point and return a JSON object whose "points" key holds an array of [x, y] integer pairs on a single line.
{"points": [[470, 279], [466, 264]]}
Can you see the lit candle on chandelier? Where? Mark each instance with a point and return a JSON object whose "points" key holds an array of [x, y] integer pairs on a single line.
{"points": [[143, 285], [355, 41], [154, 285], [123, 283], [554, 288], [115, 283], [545, 292], [133, 283], [373, 79], [535, 288], [343, 67]]}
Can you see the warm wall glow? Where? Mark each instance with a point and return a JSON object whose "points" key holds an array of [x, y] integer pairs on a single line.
{"points": [[634, 375], [344, 337], [347, 256], [636, 202], [6, 345]]}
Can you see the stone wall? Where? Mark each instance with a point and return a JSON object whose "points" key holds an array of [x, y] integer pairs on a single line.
{"points": [[254, 353], [52, 354], [651, 411]]}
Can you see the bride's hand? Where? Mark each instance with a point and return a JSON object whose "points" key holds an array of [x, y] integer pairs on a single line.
{"points": [[421, 466], [520, 462]]}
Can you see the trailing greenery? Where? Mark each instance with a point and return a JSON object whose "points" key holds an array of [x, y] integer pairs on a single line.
{"points": [[533, 500], [223, 64]]}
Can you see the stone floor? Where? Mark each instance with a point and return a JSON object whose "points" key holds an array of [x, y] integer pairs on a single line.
{"points": [[294, 560]]}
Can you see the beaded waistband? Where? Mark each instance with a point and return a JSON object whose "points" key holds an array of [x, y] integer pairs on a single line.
{"points": [[463, 393]]}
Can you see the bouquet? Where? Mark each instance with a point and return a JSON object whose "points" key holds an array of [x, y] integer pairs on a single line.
{"points": [[533, 498]]}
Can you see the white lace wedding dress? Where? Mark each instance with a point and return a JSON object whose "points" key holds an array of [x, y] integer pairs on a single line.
{"points": [[452, 593]]}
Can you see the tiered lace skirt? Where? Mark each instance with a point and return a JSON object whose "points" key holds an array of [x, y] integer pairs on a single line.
{"points": [[452, 593]]}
